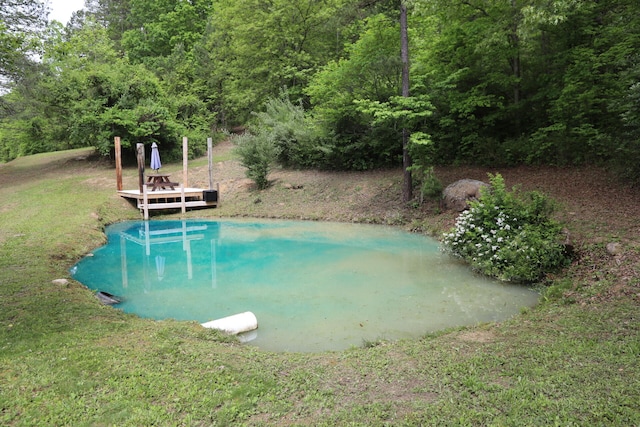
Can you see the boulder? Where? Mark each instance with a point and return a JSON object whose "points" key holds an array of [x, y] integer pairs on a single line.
{"points": [[457, 195]]}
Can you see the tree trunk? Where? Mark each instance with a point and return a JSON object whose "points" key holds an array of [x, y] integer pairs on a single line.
{"points": [[514, 61], [406, 158]]}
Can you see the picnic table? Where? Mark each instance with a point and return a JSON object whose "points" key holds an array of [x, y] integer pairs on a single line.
{"points": [[160, 181]]}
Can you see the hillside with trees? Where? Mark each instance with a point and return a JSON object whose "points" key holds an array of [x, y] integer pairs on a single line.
{"points": [[491, 83]]}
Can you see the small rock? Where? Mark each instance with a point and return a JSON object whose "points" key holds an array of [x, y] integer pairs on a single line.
{"points": [[288, 186], [567, 242], [60, 282], [614, 248]]}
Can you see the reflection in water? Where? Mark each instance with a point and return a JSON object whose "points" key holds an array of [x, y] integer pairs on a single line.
{"points": [[313, 286]]}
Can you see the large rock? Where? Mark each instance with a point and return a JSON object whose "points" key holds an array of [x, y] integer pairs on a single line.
{"points": [[457, 195]]}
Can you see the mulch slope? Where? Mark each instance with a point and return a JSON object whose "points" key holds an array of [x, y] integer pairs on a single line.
{"points": [[586, 194]]}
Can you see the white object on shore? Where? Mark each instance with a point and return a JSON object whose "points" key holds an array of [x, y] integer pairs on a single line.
{"points": [[236, 324]]}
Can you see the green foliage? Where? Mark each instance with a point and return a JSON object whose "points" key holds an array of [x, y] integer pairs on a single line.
{"points": [[430, 186], [501, 82], [159, 27], [122, 100], [251, 49], [294, 135], [258, 153], [352, 98], [90, 95], [625, 161], [508, 237], [22, 24], [398, 111], [525, 81], [279, 134]]}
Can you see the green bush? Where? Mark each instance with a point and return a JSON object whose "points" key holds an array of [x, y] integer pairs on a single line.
{"points": [[296, 136], [257, 153], [507, 236], [426, 183]]}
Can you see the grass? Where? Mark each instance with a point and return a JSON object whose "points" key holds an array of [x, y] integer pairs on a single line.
{"points": [[67, 360]]}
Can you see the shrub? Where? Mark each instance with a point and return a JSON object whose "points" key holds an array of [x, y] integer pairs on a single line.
{"points": [[295, 135], [427, 183], [508, 236], [257, 153]]}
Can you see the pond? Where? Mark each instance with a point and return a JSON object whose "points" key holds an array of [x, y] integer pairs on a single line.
{"points": [[313, 286]]}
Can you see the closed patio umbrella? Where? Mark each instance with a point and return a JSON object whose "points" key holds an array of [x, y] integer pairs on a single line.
{"points": [[155, 157]]}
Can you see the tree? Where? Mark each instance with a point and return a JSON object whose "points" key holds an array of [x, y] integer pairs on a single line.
{"points": [[406, 158], [253, 49], [369, 73], [111, 14], [155, 28], [22, 23], [492, 82], [88, 95]]}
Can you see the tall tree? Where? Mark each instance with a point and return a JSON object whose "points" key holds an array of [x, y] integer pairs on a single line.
{"points": [[22, 23], [253, 49], [406, 158], [157, 27], [345, 96], [112, 14]]}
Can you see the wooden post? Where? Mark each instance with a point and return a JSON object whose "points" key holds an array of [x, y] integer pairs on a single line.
{"points": [[183, 206], [210, 156], [140, 156], [118, 163], [185, 161], [145, 204]]}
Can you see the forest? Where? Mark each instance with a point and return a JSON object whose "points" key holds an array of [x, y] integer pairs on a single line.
{"points": [[500, 82]]}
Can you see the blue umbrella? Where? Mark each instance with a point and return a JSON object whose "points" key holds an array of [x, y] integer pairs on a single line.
{"points": [[155, 158]]}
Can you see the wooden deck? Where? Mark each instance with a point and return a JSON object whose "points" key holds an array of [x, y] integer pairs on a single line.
{"points": [[180, 198]]}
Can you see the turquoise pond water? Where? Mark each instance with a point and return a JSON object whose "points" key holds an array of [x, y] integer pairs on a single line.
{"points": [[313, 286]]}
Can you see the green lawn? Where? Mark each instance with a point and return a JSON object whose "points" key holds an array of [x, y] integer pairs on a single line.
{"points": [[65, 359]]}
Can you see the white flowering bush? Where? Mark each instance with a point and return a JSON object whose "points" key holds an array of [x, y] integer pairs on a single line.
{"points": [[508, 237]]}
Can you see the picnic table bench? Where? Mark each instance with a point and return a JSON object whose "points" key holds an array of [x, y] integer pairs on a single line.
{"points": [[160, 181]]}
